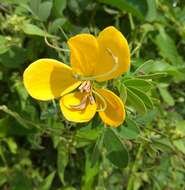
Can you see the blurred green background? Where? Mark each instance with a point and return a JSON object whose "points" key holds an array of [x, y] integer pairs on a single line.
{"points": [[40, 150]]}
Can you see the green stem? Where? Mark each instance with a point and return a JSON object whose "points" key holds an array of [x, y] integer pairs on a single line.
{"points": [[134, 168], [132, 25]]}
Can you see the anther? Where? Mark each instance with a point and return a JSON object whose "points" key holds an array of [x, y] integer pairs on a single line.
{"points": [[82, 86], [91, 99], [82, 104], [85, 87]]}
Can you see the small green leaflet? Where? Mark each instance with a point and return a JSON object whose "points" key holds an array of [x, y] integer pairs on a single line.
{"points": [[116, 152]]}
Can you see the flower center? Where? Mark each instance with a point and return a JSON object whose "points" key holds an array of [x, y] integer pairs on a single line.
{"points": [[85, 88]]}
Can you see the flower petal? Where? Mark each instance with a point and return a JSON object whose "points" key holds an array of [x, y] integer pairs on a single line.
{"points": [[68, 101], [114, 114], [46, 79], [112, 44], [84, 53]]}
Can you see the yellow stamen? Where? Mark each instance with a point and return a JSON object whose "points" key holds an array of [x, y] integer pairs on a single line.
{"points": [[82, 104], [91, 99], [115, 67], [85, 87], [82, 86]]}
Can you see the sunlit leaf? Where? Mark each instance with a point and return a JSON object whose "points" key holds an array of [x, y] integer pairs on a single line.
{"points": [[167, 48], [59, 6], [145, 98], [138, 83], [47, 183], [44, 10], [32, 29], [152, 10], [166, 96], [135, 101]]}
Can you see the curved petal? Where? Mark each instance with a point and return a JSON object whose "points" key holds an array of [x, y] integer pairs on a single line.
{"points": [[84, 53], [112, 45], [68, 101], [46, 79], [114, 114]]}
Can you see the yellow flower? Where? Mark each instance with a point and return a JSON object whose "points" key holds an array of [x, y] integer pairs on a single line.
{"points": [[92, 59]]}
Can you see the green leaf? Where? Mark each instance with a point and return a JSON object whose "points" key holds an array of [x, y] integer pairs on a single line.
{"points": [[69, 188], [12, 145], [44, 10], [56, 24], [153, 76], [14, 57], [84, 137], [10, 127], [15, 1], [144, 97], [14, 115], [138, 83], [162, 144], [27, 124], [166, 96], [180, 126], [32, 29], [167, 48], [116, 151], [89, 134], [3, 176], [180, 145], [3, 47], [20, 89], [62, 159], [129, 130], [19, 181], [34, 5], [97, 149], [152, 10], [46, 184], [153, 67], [122, 90], [1, 75], [136, 102], [59, 6], [4, 122], [90, 172], [142, 68], [74, 6], [123, 5]]}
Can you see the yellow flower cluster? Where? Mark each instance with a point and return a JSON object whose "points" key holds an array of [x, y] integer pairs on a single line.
{"points": [[100, 58]]}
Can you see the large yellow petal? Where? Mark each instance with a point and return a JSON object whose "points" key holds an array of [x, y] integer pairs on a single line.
{"points": [[112, 45], [84, 52], [46, 79], [114, 114], [79, 116]]}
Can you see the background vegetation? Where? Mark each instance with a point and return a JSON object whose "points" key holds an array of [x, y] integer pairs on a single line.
{"points": [[39, 150]]}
